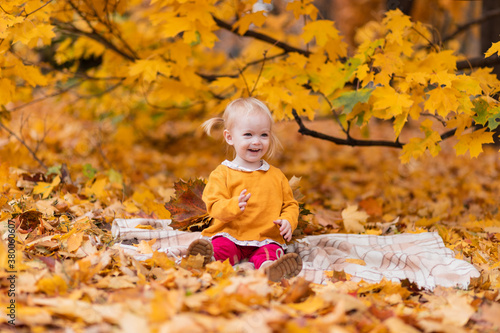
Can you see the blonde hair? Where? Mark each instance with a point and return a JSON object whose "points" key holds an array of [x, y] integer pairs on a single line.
{"points": [[236, 110]]}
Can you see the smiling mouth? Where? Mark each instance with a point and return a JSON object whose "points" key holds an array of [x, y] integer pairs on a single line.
{"points": [[254, 150]]}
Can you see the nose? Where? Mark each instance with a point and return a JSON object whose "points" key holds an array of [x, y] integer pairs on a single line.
{"points": [[255, 140]]}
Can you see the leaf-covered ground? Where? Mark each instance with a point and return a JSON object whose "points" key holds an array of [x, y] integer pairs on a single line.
{"points": [[72, 277]]}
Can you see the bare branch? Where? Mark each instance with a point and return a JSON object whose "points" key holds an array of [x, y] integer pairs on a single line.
{"points": [[262, 37], [260, 73], [465, 26], [32, 153], [45, 4], [65, 90]]}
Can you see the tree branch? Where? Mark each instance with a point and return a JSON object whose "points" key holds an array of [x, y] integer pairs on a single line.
{"points": [[465, 26], [478, 62], [361, 143], [345, 142], [259, 36]]}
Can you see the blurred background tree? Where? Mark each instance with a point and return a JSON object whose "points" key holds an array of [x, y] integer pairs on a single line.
{"points": [[135, 70]]}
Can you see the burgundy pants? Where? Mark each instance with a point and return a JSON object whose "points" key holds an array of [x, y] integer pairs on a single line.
{"points": [[226, 249]]}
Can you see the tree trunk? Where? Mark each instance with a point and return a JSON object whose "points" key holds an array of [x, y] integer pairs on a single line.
{"points": [[490, 30], [404, 5]]}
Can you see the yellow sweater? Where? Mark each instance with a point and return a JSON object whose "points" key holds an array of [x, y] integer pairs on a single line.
{"points": [[271, 199]]}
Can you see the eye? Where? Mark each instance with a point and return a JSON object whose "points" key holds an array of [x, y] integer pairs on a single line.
{"points": [[247, 134], [265, 135]]}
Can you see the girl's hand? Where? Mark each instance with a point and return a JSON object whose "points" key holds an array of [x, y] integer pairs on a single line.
{"points": [[242, 199], [285, 229]]}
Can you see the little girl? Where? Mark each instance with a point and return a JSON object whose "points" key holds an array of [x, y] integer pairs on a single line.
{"points": [[251, 201]]}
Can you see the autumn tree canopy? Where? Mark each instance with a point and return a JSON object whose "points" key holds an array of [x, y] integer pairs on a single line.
{"points": [[147, 62]]}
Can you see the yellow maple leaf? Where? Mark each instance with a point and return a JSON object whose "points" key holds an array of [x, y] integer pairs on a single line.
{"points": [[417, 146], [467, 84], [321, 30], [142, 195], [31, 75], [400, 122], [96, 187], [461, 122], [442, 101], [442, 78], [149, 68], [7, 89], [130, 207], [144, 247], [387, 99], [354, 219], [158, 209], [396, 22], [494, 48], [302, 7], [473, 142], [173, 25], [52, 286], [244, 22], [487, 81], [46, 188]]}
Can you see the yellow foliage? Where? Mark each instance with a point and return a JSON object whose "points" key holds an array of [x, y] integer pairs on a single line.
{"points": [[45, 189], [244, 22], [494, 48], [473, 142], [52, 286]]}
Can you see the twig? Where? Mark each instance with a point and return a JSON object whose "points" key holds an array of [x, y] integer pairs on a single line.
{"points": [[213, 77], [260, 73], [429, 41], [346, 131], [43, 98], [32, 153], [45, 4]]}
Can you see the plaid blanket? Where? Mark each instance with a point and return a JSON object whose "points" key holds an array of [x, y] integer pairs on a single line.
{"points": [[421, 258]]}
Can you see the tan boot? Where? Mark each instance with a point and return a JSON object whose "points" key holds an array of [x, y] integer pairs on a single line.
{"points": [[203, 247], [287, 266]]}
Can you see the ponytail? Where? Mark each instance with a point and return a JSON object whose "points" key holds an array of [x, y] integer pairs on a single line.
{"points": [[210, 124]]}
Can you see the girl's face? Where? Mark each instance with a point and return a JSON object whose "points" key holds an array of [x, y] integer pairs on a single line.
{"points": [[250, 136]]}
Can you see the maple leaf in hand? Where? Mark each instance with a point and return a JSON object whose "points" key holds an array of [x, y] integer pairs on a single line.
{"points": [[188, 210]]}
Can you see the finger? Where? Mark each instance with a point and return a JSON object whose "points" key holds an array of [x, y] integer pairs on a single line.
{"points": [[278, 222], [246, 197]]}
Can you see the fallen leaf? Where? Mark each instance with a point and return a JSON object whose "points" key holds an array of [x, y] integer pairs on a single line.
{"points": [[354, 219]]}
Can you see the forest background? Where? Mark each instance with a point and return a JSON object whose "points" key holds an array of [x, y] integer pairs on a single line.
{"points": [[387, 107]]}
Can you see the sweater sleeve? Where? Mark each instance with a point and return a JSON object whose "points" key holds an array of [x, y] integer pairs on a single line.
{"points": [[290, 207], [220, 204]]}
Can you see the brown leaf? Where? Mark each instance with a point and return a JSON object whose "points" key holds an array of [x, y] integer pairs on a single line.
{"points": [[29, 220], [298, 291], [187, 204], [371, 206]]}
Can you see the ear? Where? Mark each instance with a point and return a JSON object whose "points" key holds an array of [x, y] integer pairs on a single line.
{"points": [[228, 137]]}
